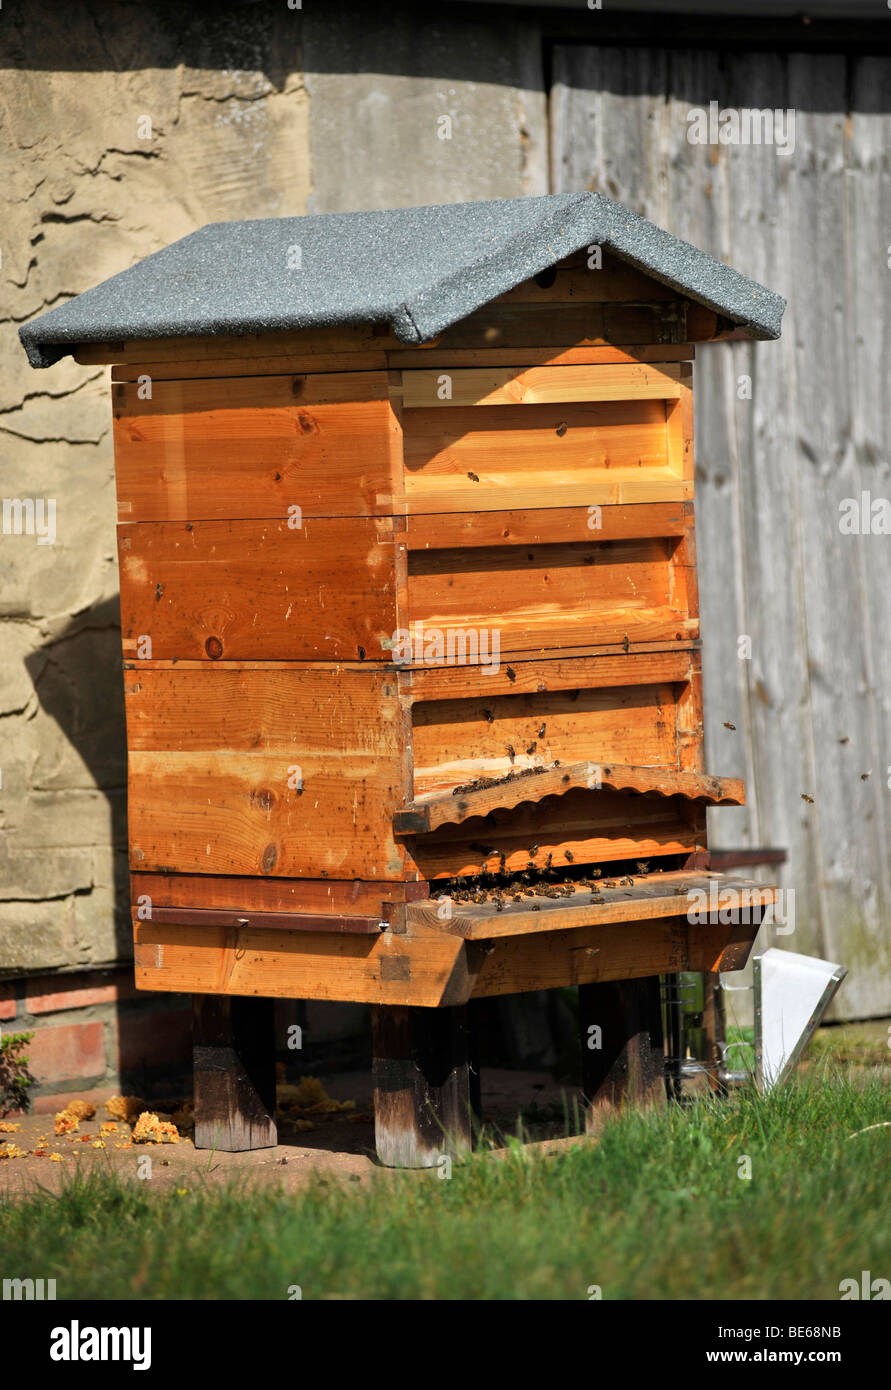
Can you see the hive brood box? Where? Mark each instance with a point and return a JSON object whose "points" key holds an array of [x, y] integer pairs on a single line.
{"points": [[408, 600]]}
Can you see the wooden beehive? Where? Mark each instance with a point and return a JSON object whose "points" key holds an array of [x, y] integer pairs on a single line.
{"points": [[411, 648]]}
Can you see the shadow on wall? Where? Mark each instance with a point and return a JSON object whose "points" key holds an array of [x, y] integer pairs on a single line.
{"points": [[77, 679]]}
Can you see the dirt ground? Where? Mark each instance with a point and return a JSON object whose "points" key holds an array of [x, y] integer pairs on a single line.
{"points": [[338, 1145]]}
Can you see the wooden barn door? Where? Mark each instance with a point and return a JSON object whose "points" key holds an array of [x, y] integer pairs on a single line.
{"points": [[784, 433]]}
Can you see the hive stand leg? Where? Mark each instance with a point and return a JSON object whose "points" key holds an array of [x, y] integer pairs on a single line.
{"points": [[234, 1059], [421, 1085], [628, 1067]]}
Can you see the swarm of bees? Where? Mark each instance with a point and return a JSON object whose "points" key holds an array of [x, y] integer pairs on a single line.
{"points": [[499, 889]]}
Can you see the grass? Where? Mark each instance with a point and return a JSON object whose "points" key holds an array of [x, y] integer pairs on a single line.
{"points": [[655, 1209]]}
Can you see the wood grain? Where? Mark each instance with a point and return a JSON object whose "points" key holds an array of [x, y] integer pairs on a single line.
{"points": [[275, 771], [425, 813], [538, 385], [259, 590], [240, 447], [657, 895]]}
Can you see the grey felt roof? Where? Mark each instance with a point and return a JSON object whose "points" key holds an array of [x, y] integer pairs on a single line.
{"points": [[420, 269]]}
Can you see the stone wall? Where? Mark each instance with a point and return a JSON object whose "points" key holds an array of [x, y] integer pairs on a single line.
{"points": [[125, 127]]}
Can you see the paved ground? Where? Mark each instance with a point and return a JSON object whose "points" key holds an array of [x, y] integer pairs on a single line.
{"points": [[338, 1146]]}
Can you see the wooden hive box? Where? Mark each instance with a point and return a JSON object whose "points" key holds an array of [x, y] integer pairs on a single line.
{"points": [[410, 629]]}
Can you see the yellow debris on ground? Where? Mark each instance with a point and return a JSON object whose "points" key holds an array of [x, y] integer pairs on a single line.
{"points": [[311, 1099], [152, 1130], [126, 1108], [66, 1122], [10, 1150], [7, 1127], [82, 1109]]}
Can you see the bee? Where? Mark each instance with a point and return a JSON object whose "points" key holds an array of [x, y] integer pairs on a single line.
{"points": [[502, 860], [531, 749], [511, 673], [642, 866], [541, 732], [728, 725], [681, 888], [625, 642], [550, 860], [488, 716], [845, 739], [511, 752], [570, 857], [609, 883], [562, 428], [808, 799], [533, 850], [595, 873], [474, 477], [864, 776], [536, 907]]}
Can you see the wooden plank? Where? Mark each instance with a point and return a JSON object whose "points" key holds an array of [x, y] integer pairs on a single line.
{"points": [[254, 895], [361, 338], [540, 356], [234, 1069], [246, 447], [456, 741], [585, 955], [545, 525], [261, 590], [572, 280], [505, 324], [539, 385], [673, 893], [421, 1085], [277, 771], [428, 812], [554, 671], [391, 968], [525, 598], [427, 970], [282, 921], [576, 828], [181, 368], [473, 458]]}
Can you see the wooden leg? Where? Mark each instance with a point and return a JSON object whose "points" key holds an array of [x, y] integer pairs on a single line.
{"points": [[421, 1085], [623, 1056], [234, 1057]]}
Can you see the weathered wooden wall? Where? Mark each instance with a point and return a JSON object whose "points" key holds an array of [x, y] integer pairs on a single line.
{"points": [[772, 470]]}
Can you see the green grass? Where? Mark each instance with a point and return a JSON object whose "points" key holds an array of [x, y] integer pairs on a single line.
{"points": [[656, 1209]]}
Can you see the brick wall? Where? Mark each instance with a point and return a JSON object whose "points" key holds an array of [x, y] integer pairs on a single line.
{"points": [[93, 1032]]}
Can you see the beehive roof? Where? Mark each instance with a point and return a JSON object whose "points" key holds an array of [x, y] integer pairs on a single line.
{"points": [[419, 269]]}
